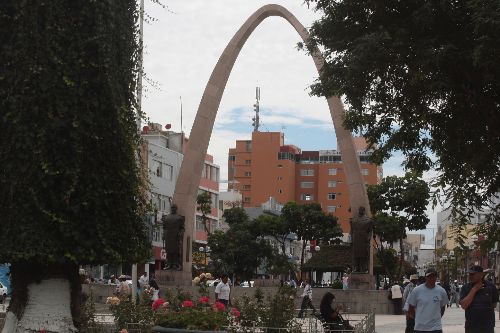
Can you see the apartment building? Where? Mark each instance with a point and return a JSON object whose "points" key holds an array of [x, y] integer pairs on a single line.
{"points": [[162, 153], [265, 167]]}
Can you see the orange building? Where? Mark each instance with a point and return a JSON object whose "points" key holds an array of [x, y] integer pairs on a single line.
{"points": [[265, 167]]}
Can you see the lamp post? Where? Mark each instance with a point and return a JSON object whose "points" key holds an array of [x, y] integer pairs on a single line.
{"points": [[313, 249], [452, 257], [205, 250]]}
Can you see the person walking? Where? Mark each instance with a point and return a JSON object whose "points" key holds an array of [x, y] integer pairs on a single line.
{"points": [[479, 298], [223, 291], [410, 322], [427, 304], [306, 299], [397, 298]]}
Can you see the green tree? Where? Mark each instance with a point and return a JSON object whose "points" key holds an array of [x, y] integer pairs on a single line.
{"points": [[398, 203], [309, 222], [241, 249], [204, 202], [277, 229], [71, 188], [422, 78]]}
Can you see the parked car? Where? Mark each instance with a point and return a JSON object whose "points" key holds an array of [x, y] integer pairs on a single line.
{"points": [[3, 293], [247, 284]]}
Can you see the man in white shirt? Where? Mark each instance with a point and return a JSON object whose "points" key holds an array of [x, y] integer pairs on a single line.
{"points": [[143, 280], [427, 303], [306, 299], [223, 291]]}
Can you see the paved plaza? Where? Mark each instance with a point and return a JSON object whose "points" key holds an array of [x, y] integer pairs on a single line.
{"points": [[453, 322]]}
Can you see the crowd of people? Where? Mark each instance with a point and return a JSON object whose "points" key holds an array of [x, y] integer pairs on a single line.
{"points": [[424, 301]]}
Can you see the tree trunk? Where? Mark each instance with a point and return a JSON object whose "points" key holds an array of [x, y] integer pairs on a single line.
{"points": [[44, 298], [302, 259], [401, 257]]}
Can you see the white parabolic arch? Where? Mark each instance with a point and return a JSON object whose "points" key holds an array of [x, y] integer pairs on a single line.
{"points": [[186, 188]]}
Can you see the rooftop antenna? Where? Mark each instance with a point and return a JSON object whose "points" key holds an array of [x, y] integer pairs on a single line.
{"points": [[255, 119]]}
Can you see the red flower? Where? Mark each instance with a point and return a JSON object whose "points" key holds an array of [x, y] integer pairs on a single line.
{"points": [[235, 312], [204, 299], [156, 304], [219, 306], [187, 304]]}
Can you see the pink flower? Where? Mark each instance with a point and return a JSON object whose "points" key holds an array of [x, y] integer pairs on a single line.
{"points": [[204, 299], [235, 312], [219, 306], [156, 304], [187, 304]]}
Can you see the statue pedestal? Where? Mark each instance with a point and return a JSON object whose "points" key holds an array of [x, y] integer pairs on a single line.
{"points": [[363, 281], [173, 278]]}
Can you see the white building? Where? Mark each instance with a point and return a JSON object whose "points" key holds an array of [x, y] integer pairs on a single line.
{"points": [[426, 257], [162, 152]]}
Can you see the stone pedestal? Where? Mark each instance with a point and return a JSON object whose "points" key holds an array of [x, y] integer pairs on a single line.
{"points": [[173, 278], [363, 281]]}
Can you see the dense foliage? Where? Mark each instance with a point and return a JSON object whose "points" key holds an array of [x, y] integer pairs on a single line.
{"points": [[230, 250], [309, 222], [421, 77], [70, 182], [398, 203]]}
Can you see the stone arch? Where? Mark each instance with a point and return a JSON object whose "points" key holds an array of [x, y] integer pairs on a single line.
{"points": [[189, 178]]}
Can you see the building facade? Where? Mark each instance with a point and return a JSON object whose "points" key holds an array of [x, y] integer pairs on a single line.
{"points": [[265, 167], [162, 154]]}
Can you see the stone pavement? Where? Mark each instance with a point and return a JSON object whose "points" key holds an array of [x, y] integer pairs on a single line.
{"points": [[453, 322]]}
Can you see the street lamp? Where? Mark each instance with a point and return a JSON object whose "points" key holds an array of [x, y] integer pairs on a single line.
{"points": [[205, 250]]}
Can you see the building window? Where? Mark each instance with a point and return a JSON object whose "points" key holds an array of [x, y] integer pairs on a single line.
{"points": [[200, 226], [306, 184], [307, 172], [280, 191], [306, 197], [246, 199], [332, 183], [331, 209], [162, 170], [248, 174], [364, 172], [286, 156], [331, 196], [280, 178], [247, 162], [332, 171], [247, 187], [232, 158], [248, 146], [280, 165]]}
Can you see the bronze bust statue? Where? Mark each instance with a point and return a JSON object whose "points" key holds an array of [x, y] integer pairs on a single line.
{"points": [[173, 234], [361, 231]]}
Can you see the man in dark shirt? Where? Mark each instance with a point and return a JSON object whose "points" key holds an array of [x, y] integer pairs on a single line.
{"points": [[478, 298]]}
